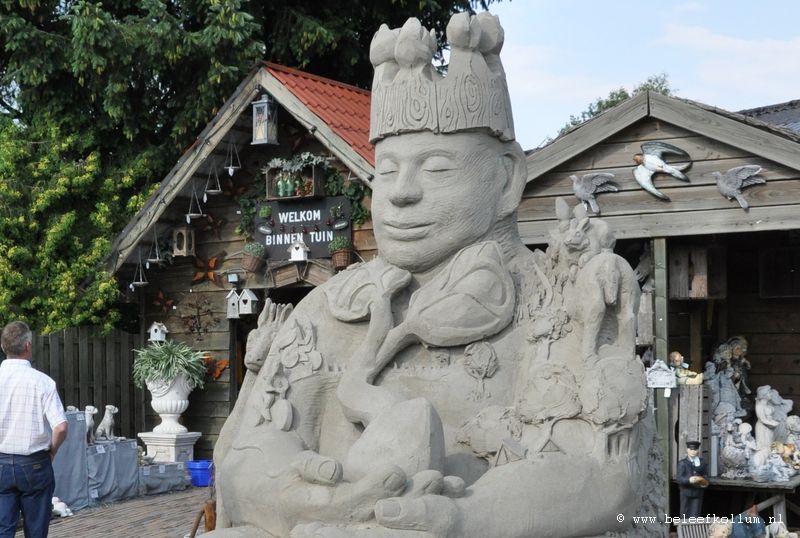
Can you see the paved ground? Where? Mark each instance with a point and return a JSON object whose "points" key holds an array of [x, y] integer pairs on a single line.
{"points": [[169, 515]]}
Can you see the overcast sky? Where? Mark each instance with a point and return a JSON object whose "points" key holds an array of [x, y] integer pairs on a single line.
{"points": [[560, 55]]}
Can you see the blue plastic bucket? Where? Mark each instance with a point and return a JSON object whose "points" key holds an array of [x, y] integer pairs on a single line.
{"points": [[200, 472]]}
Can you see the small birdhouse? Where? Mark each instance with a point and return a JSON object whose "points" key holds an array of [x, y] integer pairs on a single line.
{"points": [[233, 304], [183, 241], [158, 332], [247, 302], [298, 251]]}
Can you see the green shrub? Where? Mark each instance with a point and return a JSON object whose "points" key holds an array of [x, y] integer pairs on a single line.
{"points": [[163, 361], [339, 242]]}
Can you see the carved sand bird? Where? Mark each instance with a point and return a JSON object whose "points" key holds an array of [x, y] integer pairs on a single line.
{"points": [[731, 183], [651, 161], [587, 186]]}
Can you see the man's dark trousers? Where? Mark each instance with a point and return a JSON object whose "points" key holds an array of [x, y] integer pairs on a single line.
{"points": [[27, 483]]}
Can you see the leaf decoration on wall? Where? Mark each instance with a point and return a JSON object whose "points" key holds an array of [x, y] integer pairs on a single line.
{"points": [[206, 270], [163, 302], [214, 224], [215, 367], [471, 299], [235, 190]]}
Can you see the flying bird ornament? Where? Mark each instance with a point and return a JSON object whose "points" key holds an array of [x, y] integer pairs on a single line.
{"points": [[588, 186], [731, 183], [651, 161]]}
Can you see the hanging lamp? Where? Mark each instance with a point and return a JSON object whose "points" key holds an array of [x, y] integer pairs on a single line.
{"points": [[232, 161]]}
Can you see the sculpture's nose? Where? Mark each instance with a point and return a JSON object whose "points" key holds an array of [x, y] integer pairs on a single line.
{"points": [[406, 190]]}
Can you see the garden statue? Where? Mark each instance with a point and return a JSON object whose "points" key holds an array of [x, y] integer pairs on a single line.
{"points": [[740, 364], [106, 428], [90, 412], [682, 373], [458, 385], [772, 412]]}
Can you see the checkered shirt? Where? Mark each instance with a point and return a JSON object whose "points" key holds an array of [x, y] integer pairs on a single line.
{"points": [[29, 408]]}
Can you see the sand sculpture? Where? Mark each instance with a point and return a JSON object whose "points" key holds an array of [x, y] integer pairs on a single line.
{"points": [[459, 385]]}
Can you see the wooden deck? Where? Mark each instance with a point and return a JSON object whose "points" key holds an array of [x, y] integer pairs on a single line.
{"points": [[169, 515]]}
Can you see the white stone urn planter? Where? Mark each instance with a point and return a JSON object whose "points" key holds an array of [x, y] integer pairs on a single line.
{"points": [[169, 400]]}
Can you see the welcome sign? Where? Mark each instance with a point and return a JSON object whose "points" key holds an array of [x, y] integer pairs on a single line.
{"points": [[315, 221]]}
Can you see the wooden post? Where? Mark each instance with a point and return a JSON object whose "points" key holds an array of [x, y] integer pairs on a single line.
{"points": [[661, 352]]}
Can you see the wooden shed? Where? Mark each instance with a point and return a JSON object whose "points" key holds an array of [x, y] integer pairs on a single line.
{"points": [[224, 192], [719, 269]]}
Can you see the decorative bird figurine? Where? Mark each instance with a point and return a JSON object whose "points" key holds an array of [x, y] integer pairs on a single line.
{"points": [[651, 161], [587, 186], [731, 183]]}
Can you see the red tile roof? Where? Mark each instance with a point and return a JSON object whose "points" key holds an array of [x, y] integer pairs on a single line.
{"points": [[344, 108]]}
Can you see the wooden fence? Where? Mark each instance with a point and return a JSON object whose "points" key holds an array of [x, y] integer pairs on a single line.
{"points": [[94, 369]]}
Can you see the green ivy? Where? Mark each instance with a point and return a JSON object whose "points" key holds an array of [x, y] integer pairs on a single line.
{"points": [[353, 189]]}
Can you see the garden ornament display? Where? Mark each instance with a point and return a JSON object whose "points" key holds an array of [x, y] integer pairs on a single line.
{"points": [[651, 161], [106, 428], [60, 508], [90, 412], [731, 183], [588, 186], [348, 424]]}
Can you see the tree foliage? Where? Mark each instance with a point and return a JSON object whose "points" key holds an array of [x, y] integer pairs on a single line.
{"points": [[655, 83], [98, 98]]}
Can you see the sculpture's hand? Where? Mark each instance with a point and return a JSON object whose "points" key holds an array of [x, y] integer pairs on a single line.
{"points": [[311, 491]]}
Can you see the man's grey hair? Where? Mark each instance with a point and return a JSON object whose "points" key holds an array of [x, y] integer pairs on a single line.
{"points": [[15, 335]]}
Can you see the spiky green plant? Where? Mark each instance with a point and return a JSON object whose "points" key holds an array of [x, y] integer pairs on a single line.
{"points": [[163, 361]]}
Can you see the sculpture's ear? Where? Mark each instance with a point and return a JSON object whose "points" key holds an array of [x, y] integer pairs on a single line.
{"points": [[515, 169]]}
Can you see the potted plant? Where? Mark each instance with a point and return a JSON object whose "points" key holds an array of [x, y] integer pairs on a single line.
{"points": [[297, 176], [341, 249], [253, 256], [170, 371]]}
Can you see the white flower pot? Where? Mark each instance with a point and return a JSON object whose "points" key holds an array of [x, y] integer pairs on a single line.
{"points": [[169, 400]]}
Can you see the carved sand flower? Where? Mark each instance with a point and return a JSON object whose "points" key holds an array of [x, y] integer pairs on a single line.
{"points": [[480, 361]]}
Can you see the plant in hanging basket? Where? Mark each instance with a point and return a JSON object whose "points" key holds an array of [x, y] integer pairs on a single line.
{"points": [[341, 249], [253, 256], [162, 362]]}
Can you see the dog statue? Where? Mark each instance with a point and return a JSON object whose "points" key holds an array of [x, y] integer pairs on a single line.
{"points": [[90, 411], [61, 508], [106, 428]]}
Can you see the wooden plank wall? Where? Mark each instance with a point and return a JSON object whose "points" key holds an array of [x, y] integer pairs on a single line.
{"points": [[93, 369], [632, 212]]}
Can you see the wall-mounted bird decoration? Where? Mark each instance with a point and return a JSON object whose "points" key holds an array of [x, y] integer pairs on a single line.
{"points": [[588, 186], [731, 183], [651, 161]]}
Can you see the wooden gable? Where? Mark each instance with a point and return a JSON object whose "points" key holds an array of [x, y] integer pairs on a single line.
{"points": [[694, 208]]}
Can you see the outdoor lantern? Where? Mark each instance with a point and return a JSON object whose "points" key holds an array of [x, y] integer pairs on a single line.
{"points": [[299, 251], [183, 241], [158, 332], [247, 302], [233, 304], [265, 120]]}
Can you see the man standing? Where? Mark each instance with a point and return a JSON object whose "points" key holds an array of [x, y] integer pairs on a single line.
{"points": [[692, 480], [29, 409]]}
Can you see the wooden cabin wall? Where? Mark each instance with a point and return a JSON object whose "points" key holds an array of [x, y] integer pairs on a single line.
{"points": [[633, 212], [771, 325]]}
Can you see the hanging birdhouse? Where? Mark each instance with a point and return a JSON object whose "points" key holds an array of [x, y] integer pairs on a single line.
{"points": [[183, 241], [265, 120], [299, 251], [158, 332], [247, 302], [233, 304]]}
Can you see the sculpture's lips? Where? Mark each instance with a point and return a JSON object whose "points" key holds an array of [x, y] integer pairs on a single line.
{"points": [[405, 230]]}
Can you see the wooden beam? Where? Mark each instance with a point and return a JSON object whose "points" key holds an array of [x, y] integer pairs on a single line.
{"points": [[341, 149], [682, 223], [720, 127], [659, 249], [587, 135]]}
